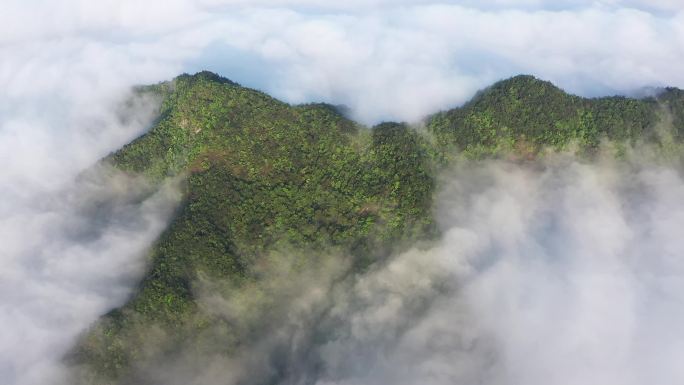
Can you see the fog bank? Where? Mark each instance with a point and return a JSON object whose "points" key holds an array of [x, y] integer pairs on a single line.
{"points": [[554, 272], [73, 233], [386, 60], [561, 273]]}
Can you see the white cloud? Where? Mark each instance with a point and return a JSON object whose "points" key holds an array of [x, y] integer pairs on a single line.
{"points": [[386, 60], [557, 272], [404, 62], [576, 276], [67, 258]]}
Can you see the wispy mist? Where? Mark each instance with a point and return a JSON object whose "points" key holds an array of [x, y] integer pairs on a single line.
{"points": [[73, 233], [555, 272], [560, 273]]}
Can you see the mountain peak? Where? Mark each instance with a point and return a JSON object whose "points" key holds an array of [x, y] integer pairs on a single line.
{"points": [[524, 87], [206, 76]]}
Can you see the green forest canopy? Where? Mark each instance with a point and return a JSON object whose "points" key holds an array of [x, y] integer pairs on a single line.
{"points": [[261, 175]]}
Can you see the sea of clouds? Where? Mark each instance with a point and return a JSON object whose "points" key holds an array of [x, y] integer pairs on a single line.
{"points": [[384, 59], [73, 247]]}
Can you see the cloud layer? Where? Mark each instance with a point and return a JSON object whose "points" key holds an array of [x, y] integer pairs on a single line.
{"points": [[563, 274], [72, 248], [386, 60], [554, 273]]}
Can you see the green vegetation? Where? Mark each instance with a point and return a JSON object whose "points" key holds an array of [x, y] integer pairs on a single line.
{"points": [[262, 176], [524, 115]]}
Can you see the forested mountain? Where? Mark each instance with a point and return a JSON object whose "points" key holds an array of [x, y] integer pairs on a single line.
{"points": [[261, 177], [526, 113]]}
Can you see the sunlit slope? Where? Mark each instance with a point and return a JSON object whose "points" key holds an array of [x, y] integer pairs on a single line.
{"points": [[527, 114], [261, 176]]}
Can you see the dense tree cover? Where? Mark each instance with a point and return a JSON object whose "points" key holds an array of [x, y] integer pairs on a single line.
{"points": [[261, 175], [672, 100], [527, 114]]}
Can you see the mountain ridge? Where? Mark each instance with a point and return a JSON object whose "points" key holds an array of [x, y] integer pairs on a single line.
{"points": [[261, 176]]}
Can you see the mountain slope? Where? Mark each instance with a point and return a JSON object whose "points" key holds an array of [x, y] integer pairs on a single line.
{"points": [[261, 177], [526, 111]]}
